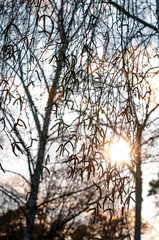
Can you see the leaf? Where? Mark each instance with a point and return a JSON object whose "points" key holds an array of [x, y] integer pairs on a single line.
{"points": [[38, 75], [16, 146], [28, 196], [20, 101], [2, 168], [122, 211], [58, 123], [23, 123], [44, 16], [4, 124], [47, 159], [111, 211], [46, 169]]}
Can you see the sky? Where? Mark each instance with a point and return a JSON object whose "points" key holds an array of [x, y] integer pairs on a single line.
{"points": [[150, 169]]}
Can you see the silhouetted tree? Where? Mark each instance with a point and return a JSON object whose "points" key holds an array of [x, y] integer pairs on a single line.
{"points": [[75, 74]]}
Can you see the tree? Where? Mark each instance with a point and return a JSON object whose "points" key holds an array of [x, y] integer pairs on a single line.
{"points": [[120, 226], [75, 70], [140, 120], [22, 57], [61, 203], [104, 228]]}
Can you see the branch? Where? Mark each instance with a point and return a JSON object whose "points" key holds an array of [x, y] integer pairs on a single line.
{"points": [[129, 15], [14, 198], [21, 140], [149, 113], [66, 195], [18, 175], [32, 105]]}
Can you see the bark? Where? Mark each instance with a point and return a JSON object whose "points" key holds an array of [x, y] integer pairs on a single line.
{"points": [[41, 155], [157, 12], [37, 174], [138, 194]]}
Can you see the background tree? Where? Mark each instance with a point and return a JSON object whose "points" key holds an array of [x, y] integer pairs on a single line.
{"points": [[59, 206]]}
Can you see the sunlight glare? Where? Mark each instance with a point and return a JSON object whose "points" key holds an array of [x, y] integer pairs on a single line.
{"points": [[119, 152]]}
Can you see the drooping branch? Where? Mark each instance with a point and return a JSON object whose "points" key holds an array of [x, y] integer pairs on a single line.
{"points": [[129, 15]]}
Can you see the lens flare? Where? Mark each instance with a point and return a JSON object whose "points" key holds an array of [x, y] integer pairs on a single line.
{"points": [[119, 152]]}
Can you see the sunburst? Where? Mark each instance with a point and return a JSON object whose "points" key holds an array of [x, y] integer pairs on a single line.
{"points": [[119, 152]]}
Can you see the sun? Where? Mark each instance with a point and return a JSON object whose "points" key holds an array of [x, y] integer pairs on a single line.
{"points": [[119, 152]]}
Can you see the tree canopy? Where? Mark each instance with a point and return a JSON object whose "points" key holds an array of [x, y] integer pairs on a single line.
{"points": [[75, 75]]}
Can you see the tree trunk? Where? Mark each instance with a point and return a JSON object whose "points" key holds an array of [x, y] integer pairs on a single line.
{"points": [[157, 12], [138, 195], [35, 179]]}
